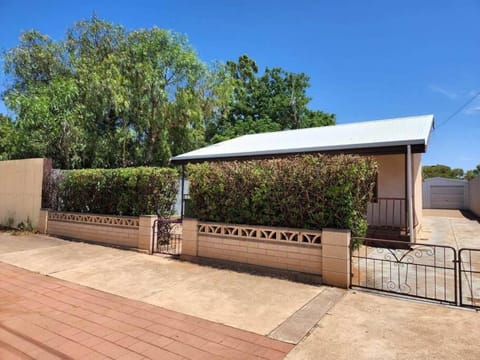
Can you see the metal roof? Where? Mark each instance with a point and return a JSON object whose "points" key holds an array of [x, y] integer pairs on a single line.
{"points": [[377, 136]]}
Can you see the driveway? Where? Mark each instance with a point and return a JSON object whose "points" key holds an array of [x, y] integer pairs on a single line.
{"points": [[450, 227], [365, 326]]}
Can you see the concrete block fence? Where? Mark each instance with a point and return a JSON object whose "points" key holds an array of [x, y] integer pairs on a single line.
{"points": [[324, 253], [133, 232]]}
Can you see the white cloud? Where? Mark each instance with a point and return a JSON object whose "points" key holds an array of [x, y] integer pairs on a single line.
{"points": [[452, 95], [473, 110], [474, 107]]}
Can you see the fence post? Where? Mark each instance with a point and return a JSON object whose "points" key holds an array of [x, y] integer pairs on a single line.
{"points": [[336, 257], [190, 237], [42, 226], [145, 232]]}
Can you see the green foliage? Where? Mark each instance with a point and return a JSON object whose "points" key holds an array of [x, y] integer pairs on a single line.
{"points": [[25, 226], [126, 191], [274, 101], [106, 97], [430, 171], [311, 191], [470, 174], [7, 137], [445, 171]]}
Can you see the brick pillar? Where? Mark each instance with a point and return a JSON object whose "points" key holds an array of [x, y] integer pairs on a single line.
{"points": [[336, 257], [145, 232], [42, 226], [190, 237]]}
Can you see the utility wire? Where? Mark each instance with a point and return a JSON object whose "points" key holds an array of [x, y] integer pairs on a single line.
{"points": [[458, 110]]}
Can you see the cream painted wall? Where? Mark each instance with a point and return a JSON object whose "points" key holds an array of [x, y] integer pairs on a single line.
{"points": [[391, 175], [417, 190], [391, 184], [21, 190], [474, 195]]}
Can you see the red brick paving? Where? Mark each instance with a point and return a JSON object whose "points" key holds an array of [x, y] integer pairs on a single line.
{"points": [[46, 318]]}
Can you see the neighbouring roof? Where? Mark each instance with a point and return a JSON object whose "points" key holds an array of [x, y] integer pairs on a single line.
{"points": [[376, 137]]}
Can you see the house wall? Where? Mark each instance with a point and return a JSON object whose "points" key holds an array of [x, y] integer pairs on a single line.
{"points": [[390, 208], [21, 184], [417, 192], [391, 175], [474, 195]]}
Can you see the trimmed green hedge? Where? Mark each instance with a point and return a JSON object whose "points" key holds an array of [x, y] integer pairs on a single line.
{"points": [[126, 191], [311, 191]]}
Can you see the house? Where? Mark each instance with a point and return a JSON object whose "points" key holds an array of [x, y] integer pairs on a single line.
{"points": [[396, 144]]}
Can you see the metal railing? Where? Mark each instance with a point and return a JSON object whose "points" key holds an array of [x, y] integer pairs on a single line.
{"points": [[469, 273], [388, 212], [167, 235], [410, 269]]}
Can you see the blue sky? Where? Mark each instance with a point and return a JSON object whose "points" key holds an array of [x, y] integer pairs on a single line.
{"points": [[366, 59]]}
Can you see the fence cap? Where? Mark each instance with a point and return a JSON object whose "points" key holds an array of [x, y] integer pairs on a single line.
{"points": [[343, 231]]}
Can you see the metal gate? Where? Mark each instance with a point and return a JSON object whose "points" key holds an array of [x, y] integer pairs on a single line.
{"points": [[416, 270], [469, 273], [167, 236]]}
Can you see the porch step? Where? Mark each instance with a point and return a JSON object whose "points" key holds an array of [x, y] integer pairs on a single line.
{"points": [[387, 233]]}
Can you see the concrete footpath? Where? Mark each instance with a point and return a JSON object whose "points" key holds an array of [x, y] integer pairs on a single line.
{"points": [[245, 301], [323, 322], [365, 326]]}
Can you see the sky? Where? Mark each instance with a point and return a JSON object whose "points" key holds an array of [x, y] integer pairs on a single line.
{"points": [[366, 60]]}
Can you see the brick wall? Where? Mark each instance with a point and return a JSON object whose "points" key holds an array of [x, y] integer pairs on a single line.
{"points": [[324, 253], [307, 259], [123, 231]]}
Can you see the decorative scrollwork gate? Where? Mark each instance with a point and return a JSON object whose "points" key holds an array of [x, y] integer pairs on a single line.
{"points": [[167, 236], [416, 270]]}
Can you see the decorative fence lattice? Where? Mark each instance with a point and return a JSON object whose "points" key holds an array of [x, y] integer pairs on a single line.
{"points": [[122, 221], [261, 233]]}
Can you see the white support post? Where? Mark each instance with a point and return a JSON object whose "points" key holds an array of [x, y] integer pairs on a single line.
{"points": [[409, 194]]}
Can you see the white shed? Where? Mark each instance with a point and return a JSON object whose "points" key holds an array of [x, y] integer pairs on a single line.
{"points": [[443, 193]]}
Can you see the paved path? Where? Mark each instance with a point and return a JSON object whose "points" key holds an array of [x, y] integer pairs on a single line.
{"points": [[245, 301], [42, 317]]}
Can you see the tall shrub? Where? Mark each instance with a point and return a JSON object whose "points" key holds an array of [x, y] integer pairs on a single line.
{"points": [[125, 191], [311, 191]]}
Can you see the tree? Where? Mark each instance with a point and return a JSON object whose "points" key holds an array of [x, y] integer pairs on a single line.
{"points": [[439, 170], [106, 97], [7, 137], [470, 174], [274, 101]]}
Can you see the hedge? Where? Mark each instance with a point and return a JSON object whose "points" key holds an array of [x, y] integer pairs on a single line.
{"points": [[126, 191], [311, 191]]}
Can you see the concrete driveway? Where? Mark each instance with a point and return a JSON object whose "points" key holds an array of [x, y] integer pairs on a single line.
{"points": [[450, 227], [249, 302], [365, 326]]}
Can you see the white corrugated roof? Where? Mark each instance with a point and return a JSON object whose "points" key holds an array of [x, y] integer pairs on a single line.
{"points": [[412, 130]]}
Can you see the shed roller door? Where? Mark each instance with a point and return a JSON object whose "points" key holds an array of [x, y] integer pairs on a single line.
{"points": [[447, 196]]}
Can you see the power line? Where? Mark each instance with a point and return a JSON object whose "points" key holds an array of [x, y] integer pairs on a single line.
{"points": [[458, 110]]}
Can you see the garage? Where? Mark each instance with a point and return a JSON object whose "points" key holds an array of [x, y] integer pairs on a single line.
{"points": [[442, 193]]}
